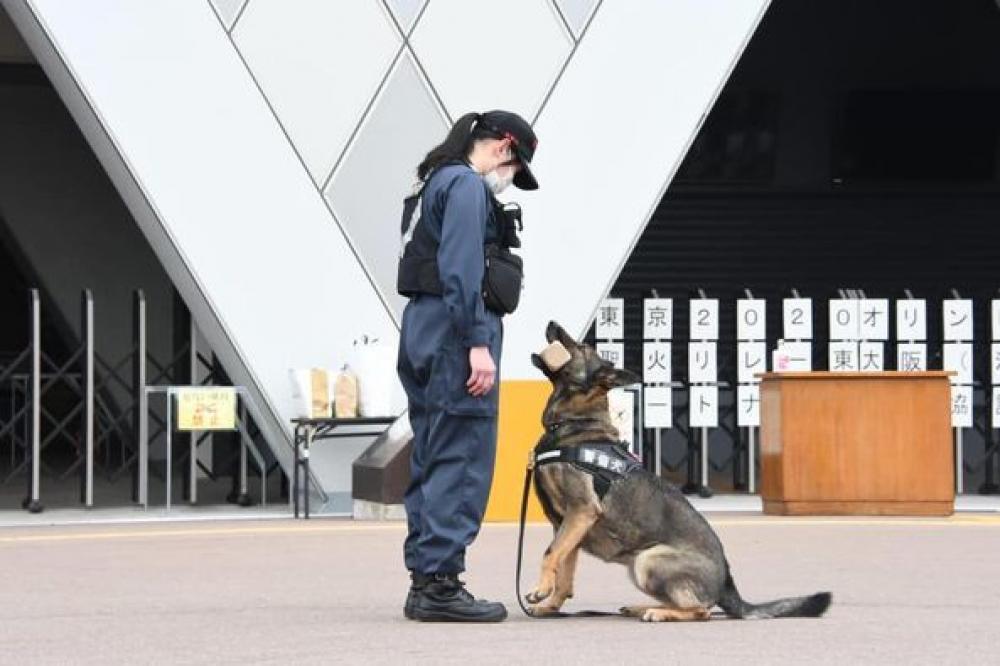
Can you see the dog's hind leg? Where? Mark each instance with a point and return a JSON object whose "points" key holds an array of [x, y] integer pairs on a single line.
{"points": [[653, 613], [568, 538], [667, 614], [636, 611], [679, 578]]}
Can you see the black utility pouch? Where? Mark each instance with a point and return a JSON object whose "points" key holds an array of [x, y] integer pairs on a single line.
{"points": [[502, 279]]}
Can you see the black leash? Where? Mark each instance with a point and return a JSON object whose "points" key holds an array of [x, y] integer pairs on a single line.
{"points": [[520, 538], [520, 553]]}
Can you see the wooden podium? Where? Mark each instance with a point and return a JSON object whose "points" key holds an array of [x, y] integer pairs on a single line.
{"points": [[837, 443]]}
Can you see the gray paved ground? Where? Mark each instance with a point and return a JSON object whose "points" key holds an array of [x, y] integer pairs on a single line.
{"points": [[331, 591]]}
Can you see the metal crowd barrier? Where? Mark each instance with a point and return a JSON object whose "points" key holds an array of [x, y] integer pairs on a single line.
{"points": [[246, 444], [109, 403]]}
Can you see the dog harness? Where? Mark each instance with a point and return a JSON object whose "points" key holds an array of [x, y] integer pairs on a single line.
{"points": [[606, 462]]}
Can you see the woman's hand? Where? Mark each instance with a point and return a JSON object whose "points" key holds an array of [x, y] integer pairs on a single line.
{"points": [[484, 371]]}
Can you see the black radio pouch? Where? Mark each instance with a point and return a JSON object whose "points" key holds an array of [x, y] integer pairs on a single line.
{"points": [[502, 279], [504, 273]]}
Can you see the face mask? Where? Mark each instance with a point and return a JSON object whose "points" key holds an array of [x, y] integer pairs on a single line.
{"points": [[498, 183]]}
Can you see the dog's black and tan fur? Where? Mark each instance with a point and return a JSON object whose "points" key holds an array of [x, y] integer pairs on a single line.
{"points": [[642, 522]]}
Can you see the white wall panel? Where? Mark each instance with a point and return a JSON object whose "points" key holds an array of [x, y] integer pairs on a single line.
{"points": [[218, 189], [613, 132], [406, 11], [379, 169], [198, 156], [228, 10], [483, 55], [577, 12], [319, 63]]}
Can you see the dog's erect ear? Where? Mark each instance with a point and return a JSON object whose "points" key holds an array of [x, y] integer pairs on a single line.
{"points": [[610, 377], [555, 332], [537, 361]]}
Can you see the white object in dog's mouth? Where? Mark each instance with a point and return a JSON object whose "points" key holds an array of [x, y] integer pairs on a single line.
{"points": [[555, 356]]}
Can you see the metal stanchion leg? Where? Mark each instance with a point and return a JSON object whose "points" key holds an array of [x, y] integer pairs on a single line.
{"points": [[192, 378], [243, 499], [657, 452], [262, 465], [33, 502], [88, 400], [263, 483], [691, 483], [958, 462], [305, 471], [738, 442], [989, 485], [170, 427], [193, 469], [704, 490], [295, 471], [141, 398], [25, 417], [704, 456], [751, 461]]}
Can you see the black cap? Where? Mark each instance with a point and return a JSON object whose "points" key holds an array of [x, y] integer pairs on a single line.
{"points": [[507, 125]]}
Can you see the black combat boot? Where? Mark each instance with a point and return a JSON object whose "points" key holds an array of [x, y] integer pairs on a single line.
{"points": [[444, 599], [417, 583]]}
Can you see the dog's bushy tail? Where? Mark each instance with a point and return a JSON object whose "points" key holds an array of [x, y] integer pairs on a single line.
{"points": [[733, 604]]}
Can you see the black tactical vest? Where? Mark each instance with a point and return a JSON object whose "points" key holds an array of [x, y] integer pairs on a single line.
{"points": [[418, 269]]}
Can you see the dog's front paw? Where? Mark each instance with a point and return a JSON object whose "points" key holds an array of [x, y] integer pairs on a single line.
{"points": [[539, 593], [542, 610]]}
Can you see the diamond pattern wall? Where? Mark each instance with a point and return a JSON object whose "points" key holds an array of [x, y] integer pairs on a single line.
{"points": [[228, 10], [364, 89], [319, 63], [486, 55], [349, 92], [406, 12], [378, 170], [576, 13]]}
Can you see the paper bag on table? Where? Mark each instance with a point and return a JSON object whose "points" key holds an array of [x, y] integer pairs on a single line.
{"points": [[345, 394], [311, 392]]}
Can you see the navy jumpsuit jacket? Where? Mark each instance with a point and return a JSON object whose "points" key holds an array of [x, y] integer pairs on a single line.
{"points": [[454, 433]]}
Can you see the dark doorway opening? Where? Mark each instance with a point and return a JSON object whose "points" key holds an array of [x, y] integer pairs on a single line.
{"points": [[856, 146]]}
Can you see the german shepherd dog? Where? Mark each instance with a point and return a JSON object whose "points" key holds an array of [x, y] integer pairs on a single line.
{"points": [[642, 522]]}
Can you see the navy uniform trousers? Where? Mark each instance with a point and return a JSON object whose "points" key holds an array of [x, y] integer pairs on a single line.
{"points": [[454, 438]]}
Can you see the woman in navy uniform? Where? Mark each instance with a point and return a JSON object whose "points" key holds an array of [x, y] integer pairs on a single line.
{"points": [[449, 354]]}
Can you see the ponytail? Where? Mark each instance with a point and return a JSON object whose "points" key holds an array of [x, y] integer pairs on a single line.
{"points": [[456, 146]]}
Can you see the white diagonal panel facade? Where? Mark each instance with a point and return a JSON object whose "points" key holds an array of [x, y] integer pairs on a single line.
{"points": [[483, 55], [577, 13], [218, 190], [221, 144], [612, 134], [319, 63], [379, 168], [228, 10]]}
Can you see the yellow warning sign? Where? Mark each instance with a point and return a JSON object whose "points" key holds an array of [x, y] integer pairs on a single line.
{"points": [[206, 408]]}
